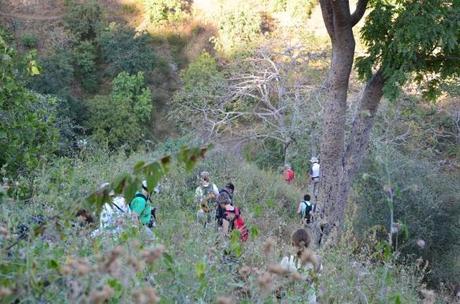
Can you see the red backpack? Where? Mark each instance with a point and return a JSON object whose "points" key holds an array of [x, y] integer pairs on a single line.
{"points": [[240, 225]]}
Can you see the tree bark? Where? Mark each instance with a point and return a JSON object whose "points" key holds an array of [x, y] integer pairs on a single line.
{"points": [[336, 15], [358, 142], [339, 165]]}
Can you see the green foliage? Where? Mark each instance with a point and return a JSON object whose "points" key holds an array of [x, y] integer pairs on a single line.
{"points": [[160, 11], [122, 117], [29, 40], [193, 264], [411, 40], [83, 19], [56, 74], [27, 131], [85, 62], [125, 50], [423, 200], [266, 154], [238, 30], [203, 83]]}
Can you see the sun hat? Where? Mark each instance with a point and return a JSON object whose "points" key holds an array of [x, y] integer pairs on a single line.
{"points": [[204, 174]]}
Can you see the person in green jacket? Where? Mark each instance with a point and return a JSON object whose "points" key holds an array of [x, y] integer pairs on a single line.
{"points": [[141, 206]]}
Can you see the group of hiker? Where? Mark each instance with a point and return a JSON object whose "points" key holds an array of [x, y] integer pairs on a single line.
{"points": [[218, 206], [214, 205]]}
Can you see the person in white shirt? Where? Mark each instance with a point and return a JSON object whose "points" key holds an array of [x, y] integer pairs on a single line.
{"points": [[304, 263], [113, 215], [205, 196], [315, 175]]}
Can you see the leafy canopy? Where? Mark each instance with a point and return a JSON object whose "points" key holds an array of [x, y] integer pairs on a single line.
{"points": [[161, 11], [121, 117], [125, 50], [412, 40], [83, 19]]}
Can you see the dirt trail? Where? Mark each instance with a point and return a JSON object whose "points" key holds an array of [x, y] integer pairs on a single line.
{"points": [[32, 17]]}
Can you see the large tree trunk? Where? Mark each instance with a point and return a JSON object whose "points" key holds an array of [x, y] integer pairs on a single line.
{"points": [[336, 15], [339, 165]]}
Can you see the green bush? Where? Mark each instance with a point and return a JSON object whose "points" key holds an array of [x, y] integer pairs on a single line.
{"points": [[29, 40], [85, 62], [57, 73], [122, 117], [203, 84], [125, 50], [28, 135], [160, 11], [238, 30], [83, 19]]}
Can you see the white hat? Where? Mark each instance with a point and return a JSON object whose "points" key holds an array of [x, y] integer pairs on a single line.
{"points": [[314, 159], [204, 174]]}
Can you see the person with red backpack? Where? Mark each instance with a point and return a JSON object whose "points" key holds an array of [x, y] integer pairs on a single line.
{"points": [[234, 220]]}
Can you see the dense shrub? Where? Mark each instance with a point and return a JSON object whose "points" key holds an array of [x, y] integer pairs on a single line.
{"points": [[195, 264], [122, 117], [57, 73], [203, 84], [29, 40], [238, 30], [27, 126], [83, 19], [125, 50], [159, 11], [85, 62]]}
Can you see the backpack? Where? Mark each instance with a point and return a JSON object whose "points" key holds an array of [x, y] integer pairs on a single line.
{"points": [[306, 211], [239, 224]]}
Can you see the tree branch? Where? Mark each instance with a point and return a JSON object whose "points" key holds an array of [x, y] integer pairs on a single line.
{"points": [[359, 12], [328, 16]]}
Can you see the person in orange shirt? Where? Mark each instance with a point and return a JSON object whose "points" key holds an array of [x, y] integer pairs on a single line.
{"points": [[288, 174]]}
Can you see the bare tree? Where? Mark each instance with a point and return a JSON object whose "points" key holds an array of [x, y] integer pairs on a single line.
{"points": [[265, 97]]}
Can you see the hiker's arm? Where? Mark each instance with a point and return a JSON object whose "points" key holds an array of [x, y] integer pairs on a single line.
{"points": [[299, 208]]}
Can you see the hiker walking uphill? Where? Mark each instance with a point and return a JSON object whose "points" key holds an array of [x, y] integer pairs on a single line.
{"points": [[205, 195], [113, 215], [225, 196], [306, 209], [288, 174], [141, 206], [315, 175], [303, 262]]}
